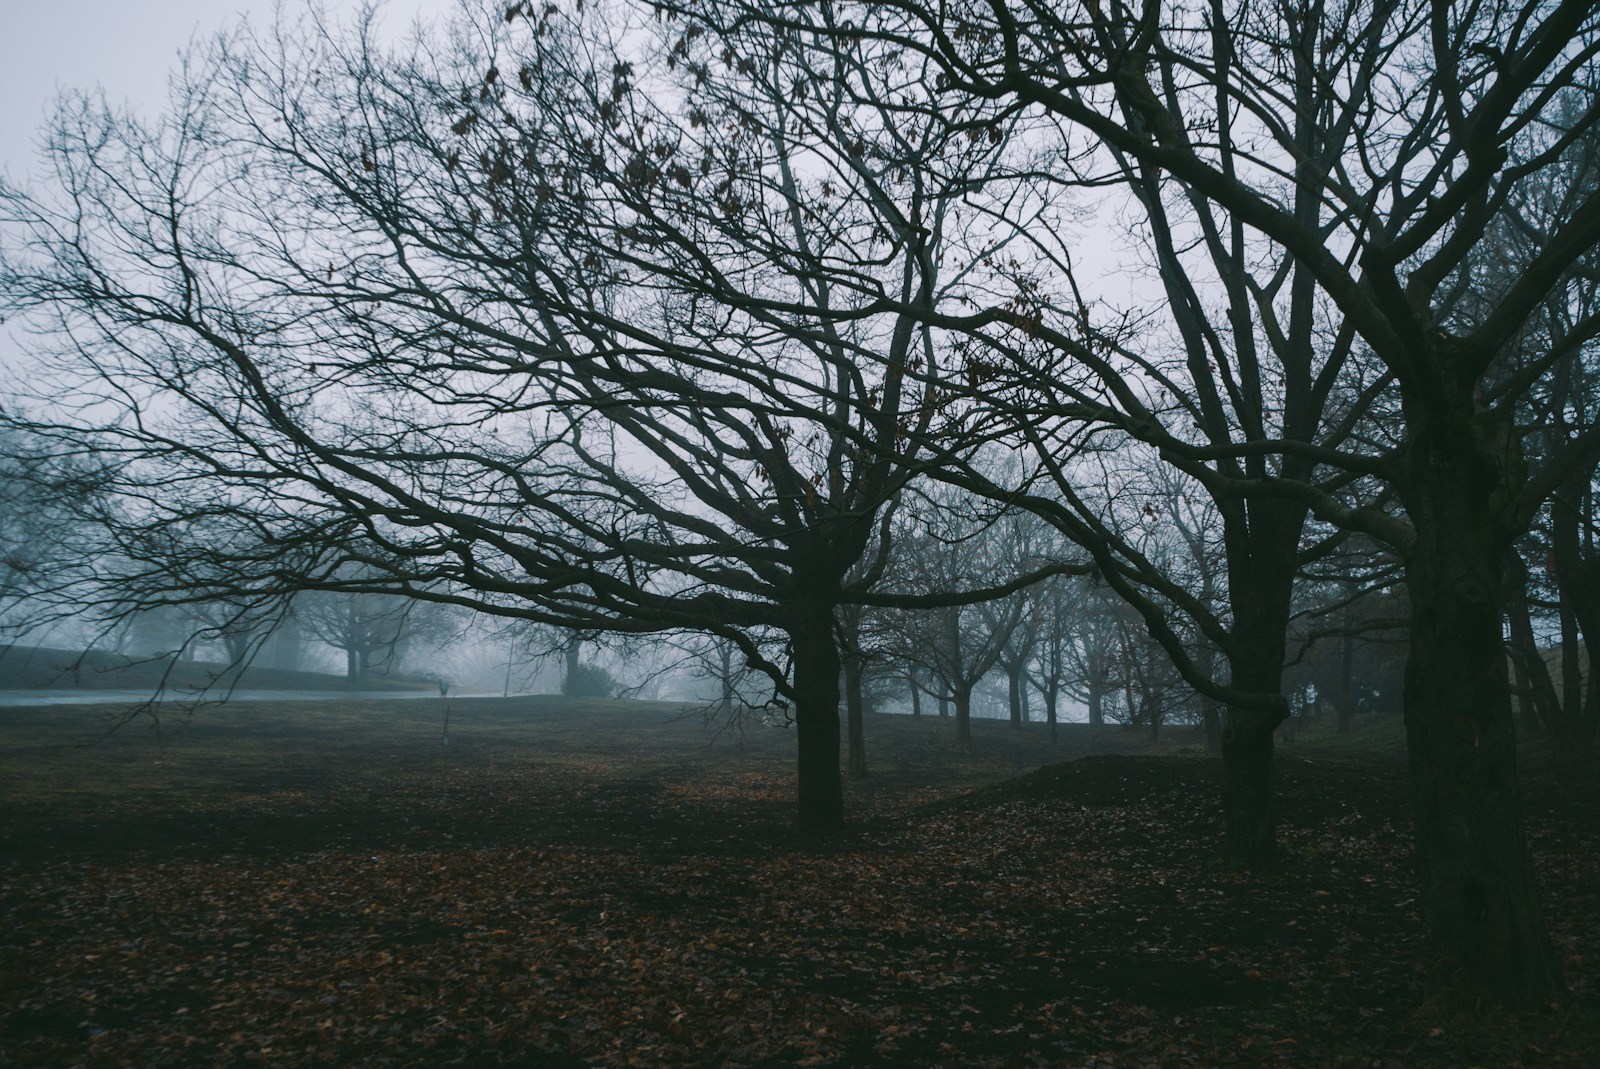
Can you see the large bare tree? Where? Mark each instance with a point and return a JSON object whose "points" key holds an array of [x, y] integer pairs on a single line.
{"points": [[600, 325], [1353, 158]]}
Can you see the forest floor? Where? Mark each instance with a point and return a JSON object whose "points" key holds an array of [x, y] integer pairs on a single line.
{"points": [[570, 884]]}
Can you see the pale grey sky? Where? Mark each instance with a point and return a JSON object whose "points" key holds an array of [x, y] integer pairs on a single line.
{"points": [[126, 47]]}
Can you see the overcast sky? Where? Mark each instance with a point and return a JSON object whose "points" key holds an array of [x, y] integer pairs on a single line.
{"points": [[126, 47]]}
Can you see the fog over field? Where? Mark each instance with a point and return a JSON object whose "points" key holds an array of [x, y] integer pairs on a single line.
{"points": [[1209, 384]]}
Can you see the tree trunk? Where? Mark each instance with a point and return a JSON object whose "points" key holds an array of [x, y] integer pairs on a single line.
{"points": [[1347, 694], [1249, 808], [857, 732], [1571, 675], [963, 701], [286, 645], [238, 648], [1212, 716], [1536, 690], [1052, 695], [944, 706], [1261, 543], [1578, 580], [725, 676], [1487, 938], [1522, 687], [571, 664], [1248, 812], [355, 637], [816, 692], [916, 696], [1097, 699], [1014, 696]]}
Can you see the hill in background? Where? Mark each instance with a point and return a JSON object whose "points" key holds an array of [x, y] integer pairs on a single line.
{"points": [[44, 668]]}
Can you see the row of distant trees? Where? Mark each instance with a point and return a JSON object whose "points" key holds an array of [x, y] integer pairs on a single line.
{"points": [[1066, 639], [651, 319]]}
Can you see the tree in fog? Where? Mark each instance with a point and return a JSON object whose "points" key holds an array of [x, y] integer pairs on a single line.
{"points": [[46, 497], [949, 543], [376, 632], [621, 338], [1339, 167]]}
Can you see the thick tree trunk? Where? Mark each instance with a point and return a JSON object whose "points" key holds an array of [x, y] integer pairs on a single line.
{"points": [[352, 665], [857, 746], [916, 696], [1097, 701], [1487, 938], [963, 702], [1249, 814], [816, 692], [944, 707], [1249, 806], [1261, 543], [1052, 695]]}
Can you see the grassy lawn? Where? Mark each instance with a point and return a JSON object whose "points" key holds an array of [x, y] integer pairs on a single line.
{"points": [[595, 883]]}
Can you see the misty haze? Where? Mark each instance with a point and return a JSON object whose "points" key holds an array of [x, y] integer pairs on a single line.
{"points": [[760, 533]]}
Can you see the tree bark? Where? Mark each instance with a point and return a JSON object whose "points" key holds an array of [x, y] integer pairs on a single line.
{"points": [[1249, 814], [1015, 696], [1097, 699], [857, 745], [816, 693], [916, 696], [1052, 695], [963, 702], [1261, 545], [1486, 931]]}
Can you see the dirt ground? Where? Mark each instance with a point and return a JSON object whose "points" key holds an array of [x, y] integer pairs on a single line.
{"points": [[601, 885]]}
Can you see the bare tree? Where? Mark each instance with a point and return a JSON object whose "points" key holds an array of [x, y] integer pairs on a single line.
{"points": [[1361, 153], [617, 337], [947, 544]]}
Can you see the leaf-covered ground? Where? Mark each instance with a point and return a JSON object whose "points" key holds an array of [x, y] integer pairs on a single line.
{"points": [[331, 885]]}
